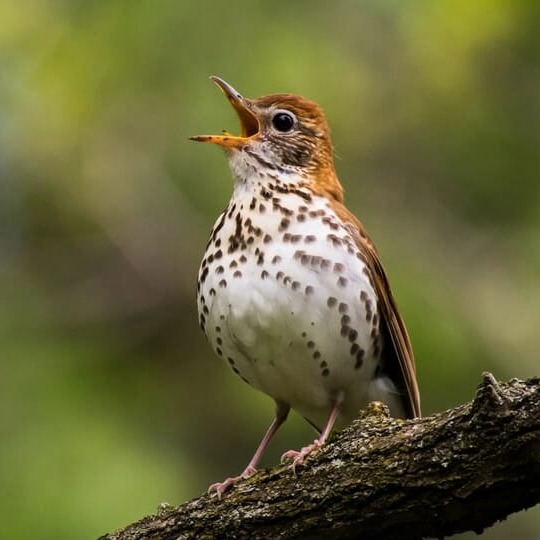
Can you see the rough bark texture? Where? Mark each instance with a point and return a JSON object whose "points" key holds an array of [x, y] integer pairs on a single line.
{"points": [[458, 470]]}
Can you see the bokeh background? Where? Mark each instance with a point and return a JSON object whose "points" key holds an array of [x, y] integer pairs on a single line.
{"points": [[110, 399]]}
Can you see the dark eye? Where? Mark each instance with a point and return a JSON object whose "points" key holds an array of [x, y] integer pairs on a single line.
{"points": [[283, 121]]}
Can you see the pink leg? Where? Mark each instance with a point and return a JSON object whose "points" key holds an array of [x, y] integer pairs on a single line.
{"points": [[299, 457], [282, 411]]}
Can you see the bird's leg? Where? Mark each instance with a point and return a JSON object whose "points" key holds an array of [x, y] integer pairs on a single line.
{"points": [[299, 457], [282, 411]]}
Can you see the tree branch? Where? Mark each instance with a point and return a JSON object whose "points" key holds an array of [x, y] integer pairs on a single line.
{"points": [[458, 470]]}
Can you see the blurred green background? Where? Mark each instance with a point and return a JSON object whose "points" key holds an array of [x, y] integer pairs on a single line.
{"points": [[110, 399]]}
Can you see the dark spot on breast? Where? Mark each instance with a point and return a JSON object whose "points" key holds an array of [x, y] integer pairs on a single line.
{"points": [[342, 282], [212, 292], [286, 237], [233, 245], [276, 259], [310, 238], [237, 274], [243, 259], [264, 274], [354, 348], [218, 329], [325, 372], [219, 341], [359, 359], [345, 320], [353, 334], [279, 275], [310, 344], [331, 302], [296, 238], [316, 355], [309, 290], [267, 238], [295, 285], [343, 307], [219, 352], [220, 269], [222, 283], [262, 208], [334, 239], [284, 224], [338, 268], [233, 264], [300, 217]]}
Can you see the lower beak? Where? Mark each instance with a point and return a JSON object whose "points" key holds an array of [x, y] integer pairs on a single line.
{"points": [[249, 125]]}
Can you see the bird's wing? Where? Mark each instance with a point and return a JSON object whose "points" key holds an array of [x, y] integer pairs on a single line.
{"points": [[399, 359]]}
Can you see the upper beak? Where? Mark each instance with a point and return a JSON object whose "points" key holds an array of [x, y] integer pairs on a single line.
{"points": [[249, 125]]}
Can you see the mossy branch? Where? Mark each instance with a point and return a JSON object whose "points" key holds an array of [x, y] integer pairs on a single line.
{"points": [[458, 470]]}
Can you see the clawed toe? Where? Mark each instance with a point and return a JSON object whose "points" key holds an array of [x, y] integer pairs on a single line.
{"points": [[298, 458], [219, 488]]}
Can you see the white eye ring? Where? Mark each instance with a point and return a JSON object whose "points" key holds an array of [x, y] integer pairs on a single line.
{"points": [[283, 121]]}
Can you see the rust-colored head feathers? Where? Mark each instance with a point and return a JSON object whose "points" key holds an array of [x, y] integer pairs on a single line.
{"points": [[284, 133]]}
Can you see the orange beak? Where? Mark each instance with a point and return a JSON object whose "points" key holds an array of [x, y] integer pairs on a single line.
{"points": [[249, 125]]}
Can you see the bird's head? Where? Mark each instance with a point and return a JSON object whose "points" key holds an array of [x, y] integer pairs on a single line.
{"points": [[283, 135]]}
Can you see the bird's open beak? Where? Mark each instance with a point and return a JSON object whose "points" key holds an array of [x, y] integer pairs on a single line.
{"points": [[249, 125]]}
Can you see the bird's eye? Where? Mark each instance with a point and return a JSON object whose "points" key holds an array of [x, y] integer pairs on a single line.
{"points": [[283, 121]]}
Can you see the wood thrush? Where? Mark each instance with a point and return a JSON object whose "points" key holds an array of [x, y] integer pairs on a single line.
{"points": [[291, 291]]}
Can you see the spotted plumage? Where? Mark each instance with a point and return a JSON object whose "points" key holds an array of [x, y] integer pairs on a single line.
{"points": [[291, 292]]}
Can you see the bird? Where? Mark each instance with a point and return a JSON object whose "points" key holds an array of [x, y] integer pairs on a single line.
{"points": [[291, 292]]}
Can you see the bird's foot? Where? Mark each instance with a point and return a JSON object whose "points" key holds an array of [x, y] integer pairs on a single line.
{"points": [[220, 487], [298, 457]]}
